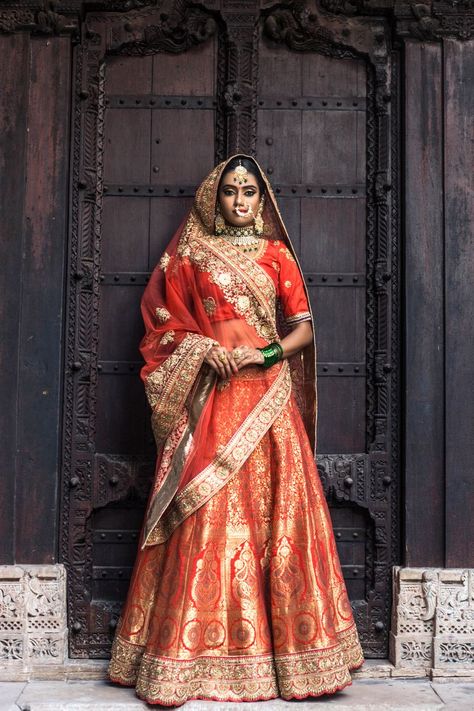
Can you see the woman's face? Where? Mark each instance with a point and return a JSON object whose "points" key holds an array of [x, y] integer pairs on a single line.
{"points": [[239, 203]]}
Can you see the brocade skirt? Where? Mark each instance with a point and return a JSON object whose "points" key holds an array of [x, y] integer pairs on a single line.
{"points": [[246, 600]]}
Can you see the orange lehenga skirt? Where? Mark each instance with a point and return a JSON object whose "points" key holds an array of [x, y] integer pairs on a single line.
{"points": [[245, 601]]}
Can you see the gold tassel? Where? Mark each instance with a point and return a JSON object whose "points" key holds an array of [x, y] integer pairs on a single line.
{"points": [[259, 219], [219, 223]]}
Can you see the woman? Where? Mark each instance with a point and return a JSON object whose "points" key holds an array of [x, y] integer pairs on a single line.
{"points": [[237, 592]]}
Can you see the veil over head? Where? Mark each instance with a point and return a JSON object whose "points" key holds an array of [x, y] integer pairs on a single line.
{"points": [[303, 365], [179, 332]]}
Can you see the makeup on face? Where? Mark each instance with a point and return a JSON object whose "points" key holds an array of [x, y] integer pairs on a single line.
{"points": [[239, 204]]}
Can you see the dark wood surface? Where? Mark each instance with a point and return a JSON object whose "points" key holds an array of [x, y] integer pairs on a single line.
{"points": [[424, 386], [147, 129], [14, 105], [35, 128], [106, 423], [459, 300]]}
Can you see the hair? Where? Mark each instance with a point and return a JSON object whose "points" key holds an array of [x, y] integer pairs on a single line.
{"points": [[251, 167]]}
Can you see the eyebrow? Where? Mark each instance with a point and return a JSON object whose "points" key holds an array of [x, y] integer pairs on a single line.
{"points": [[228, 185]]}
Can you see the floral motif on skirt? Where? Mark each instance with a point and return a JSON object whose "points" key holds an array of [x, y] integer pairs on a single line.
{"points": [[246, 599]]}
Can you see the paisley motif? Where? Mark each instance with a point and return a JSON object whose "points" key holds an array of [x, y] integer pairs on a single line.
{"points": [[206, 586]]}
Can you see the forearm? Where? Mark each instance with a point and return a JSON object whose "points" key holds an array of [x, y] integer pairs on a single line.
{"points": [[300, 336]]}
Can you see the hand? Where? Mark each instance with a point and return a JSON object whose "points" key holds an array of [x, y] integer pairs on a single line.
{"points": [[245, 355], [222, 361]]}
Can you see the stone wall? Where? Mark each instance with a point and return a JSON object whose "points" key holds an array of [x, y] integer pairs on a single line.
{"points": [[433, 621], [33, 625]]}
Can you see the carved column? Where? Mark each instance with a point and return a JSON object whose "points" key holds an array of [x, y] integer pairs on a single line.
{"points": [[240, 90]]}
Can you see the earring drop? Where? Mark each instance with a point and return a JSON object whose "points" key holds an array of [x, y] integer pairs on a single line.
{"points": [[259, 219], [219, 222]]}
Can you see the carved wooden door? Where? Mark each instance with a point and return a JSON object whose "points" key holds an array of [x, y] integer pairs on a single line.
{"points": [[158, 101]]}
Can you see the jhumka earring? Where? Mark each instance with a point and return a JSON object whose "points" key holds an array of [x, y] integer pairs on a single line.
{"points": [[219, 223], [258, 217]]}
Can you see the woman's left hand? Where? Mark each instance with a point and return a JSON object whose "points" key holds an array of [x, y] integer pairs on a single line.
{"points": [[245, 355]]}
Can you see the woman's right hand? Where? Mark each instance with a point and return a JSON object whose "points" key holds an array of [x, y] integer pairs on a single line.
{"points": [[222, 361]]}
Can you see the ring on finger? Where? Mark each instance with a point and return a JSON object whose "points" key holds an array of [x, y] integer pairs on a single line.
{"points": [[222, 357]]}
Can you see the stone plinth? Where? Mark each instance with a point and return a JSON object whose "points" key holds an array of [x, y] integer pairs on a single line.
{"points": [[433, 620], [33, 627]]}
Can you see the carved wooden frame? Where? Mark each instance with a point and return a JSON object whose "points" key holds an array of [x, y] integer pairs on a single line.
{"points": [[368, 481]]}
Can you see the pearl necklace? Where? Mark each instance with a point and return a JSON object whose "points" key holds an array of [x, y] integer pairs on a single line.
{"points": [[240, 236]]}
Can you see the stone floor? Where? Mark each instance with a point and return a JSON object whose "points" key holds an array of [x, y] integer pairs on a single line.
{"points": [[364, 695]]}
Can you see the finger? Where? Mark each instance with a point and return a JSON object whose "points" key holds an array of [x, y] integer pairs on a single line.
{"points": [[223, 362], [232, 363], [221, 369], [217, 365], [214, 365], [246, 360]]}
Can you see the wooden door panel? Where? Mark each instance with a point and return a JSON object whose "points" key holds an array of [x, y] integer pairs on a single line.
{"points": [[190, 131], [333, 147], [125, 234], [166, 214], [129, 75], [319, 78], [149, 123], [334, 235], [192, 73], [290, 209], [121, 414], [279, 145], [126, 155], [340, 314], [120, 325], [342, 421]]}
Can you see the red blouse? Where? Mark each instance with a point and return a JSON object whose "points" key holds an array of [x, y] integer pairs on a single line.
{"points": [[280, 264]]}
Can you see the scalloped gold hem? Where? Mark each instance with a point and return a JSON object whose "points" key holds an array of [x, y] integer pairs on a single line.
{"points": [[172, 682]]}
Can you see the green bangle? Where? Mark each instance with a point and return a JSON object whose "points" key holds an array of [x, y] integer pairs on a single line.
{"points": [[271, 354]]}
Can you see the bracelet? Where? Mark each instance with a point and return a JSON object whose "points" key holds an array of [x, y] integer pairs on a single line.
{"points": [[271, 354]]}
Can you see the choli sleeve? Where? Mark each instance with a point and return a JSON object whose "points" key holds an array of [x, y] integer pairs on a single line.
{"points": [[291, 289]]}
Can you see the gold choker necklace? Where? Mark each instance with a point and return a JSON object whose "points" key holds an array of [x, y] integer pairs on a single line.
{"points": [[240, 236]]}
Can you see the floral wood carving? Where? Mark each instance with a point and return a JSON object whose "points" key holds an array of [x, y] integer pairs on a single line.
{"points": [[45, 19], [183, 28], [303, 26]]}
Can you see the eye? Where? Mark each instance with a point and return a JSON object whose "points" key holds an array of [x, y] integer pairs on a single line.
{"points": [[250, 193], [228, 192]]}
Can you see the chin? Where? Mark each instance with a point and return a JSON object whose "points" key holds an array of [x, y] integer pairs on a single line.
{"points": [[239, 221]]}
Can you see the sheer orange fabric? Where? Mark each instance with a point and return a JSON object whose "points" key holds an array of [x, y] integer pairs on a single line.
{"points": [[237, 591]]}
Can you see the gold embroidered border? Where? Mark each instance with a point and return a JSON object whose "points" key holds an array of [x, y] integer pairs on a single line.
{"points": [[241, 279], [175, 681], [168, 386], [299, 317], [229, 459]]}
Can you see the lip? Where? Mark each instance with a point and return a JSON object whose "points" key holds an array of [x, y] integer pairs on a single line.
{"points": [[242, 213]]}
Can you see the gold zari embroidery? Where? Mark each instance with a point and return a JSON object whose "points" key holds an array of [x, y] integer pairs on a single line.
{"points": [[162, 314], [250, 678], [297, 318], [245, 285], [209, 305], [228, 461], [169, 385]]}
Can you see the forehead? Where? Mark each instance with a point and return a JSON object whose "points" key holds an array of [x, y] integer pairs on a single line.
{"points": [[228, 179]]}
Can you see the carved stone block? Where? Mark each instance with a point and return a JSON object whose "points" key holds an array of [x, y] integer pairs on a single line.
{"points": [[433, 619], [33, 626]]}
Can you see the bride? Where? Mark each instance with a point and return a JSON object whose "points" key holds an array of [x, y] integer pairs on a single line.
{"points": [[237, 592]]}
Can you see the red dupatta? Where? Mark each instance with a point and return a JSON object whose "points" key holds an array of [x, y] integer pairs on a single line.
{"points": [[199, 446]]}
